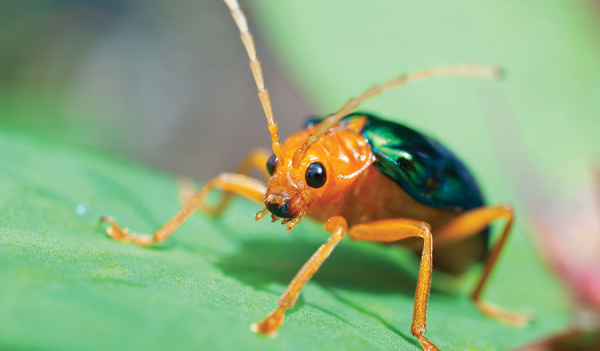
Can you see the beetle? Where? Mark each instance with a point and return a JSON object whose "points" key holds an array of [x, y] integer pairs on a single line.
{"points": [[368, 179]]}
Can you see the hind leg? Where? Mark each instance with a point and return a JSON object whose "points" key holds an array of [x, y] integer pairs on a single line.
{"points": [[472, 223]]}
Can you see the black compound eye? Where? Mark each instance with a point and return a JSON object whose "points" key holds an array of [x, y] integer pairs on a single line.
{"points": [[271, 163], [315, 175]]}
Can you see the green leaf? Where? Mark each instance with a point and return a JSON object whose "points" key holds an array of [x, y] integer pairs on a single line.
{"points": [[66, 285]]}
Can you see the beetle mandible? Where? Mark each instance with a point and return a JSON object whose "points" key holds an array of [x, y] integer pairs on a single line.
{"points": [[368, 179]]}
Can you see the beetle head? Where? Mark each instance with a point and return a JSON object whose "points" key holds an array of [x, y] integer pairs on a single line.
{"points": [[324, 173]]}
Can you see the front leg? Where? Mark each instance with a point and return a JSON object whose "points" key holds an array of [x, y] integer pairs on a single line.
{"points": [[338, 227], [379, 231], [390, 230], [235, 183]]}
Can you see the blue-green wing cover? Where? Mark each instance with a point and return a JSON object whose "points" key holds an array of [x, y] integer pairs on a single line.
{"points": [[425, 169]]}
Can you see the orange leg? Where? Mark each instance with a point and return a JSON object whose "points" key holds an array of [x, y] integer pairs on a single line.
{"points": [[398, 229], [256, 160], [235, 183], [338, 227], [472, 223], [380, 231]]}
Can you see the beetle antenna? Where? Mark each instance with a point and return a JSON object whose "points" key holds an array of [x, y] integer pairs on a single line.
{"points": [[463, 70], [263, 93]]}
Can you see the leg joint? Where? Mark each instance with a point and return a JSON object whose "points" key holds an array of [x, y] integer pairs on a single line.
{"points": [[426, 230], [508, 211]]}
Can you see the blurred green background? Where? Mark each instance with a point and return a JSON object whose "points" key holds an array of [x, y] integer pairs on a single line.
{"points": [[166, 84]]}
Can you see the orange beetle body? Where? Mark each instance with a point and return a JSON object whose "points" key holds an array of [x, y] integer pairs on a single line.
{"points": [[357, 191]]}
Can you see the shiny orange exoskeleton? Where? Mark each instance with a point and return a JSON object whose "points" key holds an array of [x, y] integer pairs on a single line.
{"points": [[367, 179]]}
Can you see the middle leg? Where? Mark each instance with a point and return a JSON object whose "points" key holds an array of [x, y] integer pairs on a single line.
{"points": [[248, 187], [255, 160]]}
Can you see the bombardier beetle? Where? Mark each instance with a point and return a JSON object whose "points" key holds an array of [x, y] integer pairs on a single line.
{"points": [[368, 179]]}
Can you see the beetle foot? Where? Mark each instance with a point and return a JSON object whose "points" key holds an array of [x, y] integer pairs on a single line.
{"points": [[427, 345], [520, 320], [122, 234], [270, 325]]}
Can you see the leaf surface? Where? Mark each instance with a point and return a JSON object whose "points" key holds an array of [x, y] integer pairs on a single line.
{"points": [[66, 285]]}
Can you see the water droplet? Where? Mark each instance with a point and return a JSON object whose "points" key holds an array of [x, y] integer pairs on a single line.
{"points": [[81, 209]]}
